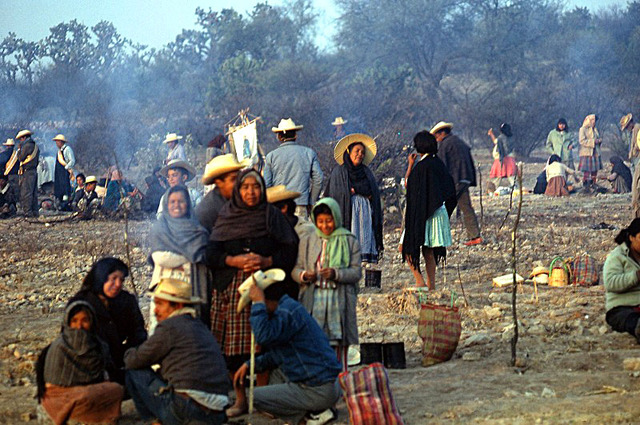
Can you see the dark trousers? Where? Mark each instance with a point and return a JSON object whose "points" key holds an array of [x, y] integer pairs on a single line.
{"points": [[468, 214], [624, 319], [29, 193], [14, 186], [154, 400]]}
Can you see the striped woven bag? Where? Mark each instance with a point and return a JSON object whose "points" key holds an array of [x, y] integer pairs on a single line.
{"points": [[439, 327], [369, 397]]}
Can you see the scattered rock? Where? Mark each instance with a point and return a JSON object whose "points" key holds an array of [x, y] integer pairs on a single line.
{"points": [[548, 393], [471, 356], [631, 363], [476, 339], [27, 416], [492, 312]]}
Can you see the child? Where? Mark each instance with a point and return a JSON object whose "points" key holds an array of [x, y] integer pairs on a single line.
{"points": [[328, 270], [556, 173], [71, 372]]}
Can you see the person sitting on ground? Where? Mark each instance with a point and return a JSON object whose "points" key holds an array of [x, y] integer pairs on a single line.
{"points": [[7, 198], [80, 180], [295, 344], [620, 176], [119, 320], [153, 194], [116, 188], [328, 270], [179, 172], [85, 201], [178, 245], [621, 277], [71, 372], [556, 173], [192, 385]]}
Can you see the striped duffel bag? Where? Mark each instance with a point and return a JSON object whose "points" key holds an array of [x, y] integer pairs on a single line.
{"points": [[439, 327]]}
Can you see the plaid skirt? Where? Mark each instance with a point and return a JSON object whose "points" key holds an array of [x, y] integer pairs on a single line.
{"points": [[231, 329], [590, 164]]}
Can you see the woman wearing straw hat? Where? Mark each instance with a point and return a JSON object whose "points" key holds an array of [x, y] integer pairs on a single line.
{"points": [[354, 187]]}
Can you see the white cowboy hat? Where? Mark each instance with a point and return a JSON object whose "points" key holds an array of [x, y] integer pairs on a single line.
{"points": [[220, 165], [263, 280], [286, 125], [441, 126], [171, 137], [9, 142], [178, 163], [339, 121], [23, 133], [60, 138], [174, 290], [370, 147], [91, 179], [624, 121], [280, 193]]}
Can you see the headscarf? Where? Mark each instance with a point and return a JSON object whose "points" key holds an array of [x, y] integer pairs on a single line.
{"points": [[237, 220], [357, 173], [76, 357], [99, 274], [184, 236], [338, 253], [562, 121], [621, 169], [589, 124]]}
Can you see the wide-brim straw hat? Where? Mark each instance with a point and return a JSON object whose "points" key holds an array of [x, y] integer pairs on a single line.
{"points": [[537, 271], [624, 121], [171, 137], [221, 165], [9, 142], [60, 138], [286, 125], [178, 163], [91, 179], [370, 147], [23, 133], [280, 193], [339, 121], [440, 126], [263, 280], [177, 291]]}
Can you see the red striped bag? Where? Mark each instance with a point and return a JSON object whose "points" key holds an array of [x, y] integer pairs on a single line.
{"points": [[368, 396], [439, 327]]}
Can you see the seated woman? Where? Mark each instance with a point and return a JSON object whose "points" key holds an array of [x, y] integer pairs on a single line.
{"points": [[621, 276], [556, 173], [71, 372], [118, 188], [328, 268], [178, 245], [119, 321], [620, 176]]}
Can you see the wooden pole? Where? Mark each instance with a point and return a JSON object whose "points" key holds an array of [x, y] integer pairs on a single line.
{"points": [[481, 206], [514, 240], [126, 229], [252, 366]]}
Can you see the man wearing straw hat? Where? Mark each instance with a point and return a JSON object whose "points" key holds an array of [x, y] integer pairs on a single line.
{"points": [[85, 201], [65, 161], [456, 155], [339, 131], [194, 384], [28, 157], [179, 171], [295, 166], [9, 165], [221, 171], [176, 150]]}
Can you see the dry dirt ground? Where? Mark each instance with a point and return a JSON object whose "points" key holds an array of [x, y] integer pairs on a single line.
{"points": [[572, 368]]}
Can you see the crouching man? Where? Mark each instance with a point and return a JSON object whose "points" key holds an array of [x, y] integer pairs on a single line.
{"points": [[294, 343], [192, 383]]}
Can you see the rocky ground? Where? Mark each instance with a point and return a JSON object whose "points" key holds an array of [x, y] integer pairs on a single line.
{"points": [[570, 364]]}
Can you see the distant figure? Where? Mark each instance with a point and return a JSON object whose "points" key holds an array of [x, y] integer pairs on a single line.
{"points": [[9, 165], [7, 198], [118, 192], [176, 150], [152, 195], [590, 157], [294, 166], [215, 147], [28, 155], [629, 127], [179, 172], [339, 132], [556, 173], [504, 164], [65, 161], [560, 143], [80, 180], [620, 176], [85, 201]]}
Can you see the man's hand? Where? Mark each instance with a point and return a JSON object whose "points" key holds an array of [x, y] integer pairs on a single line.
{"points": [[309, 276], [255, 293], [328, 273], [238, 378]]}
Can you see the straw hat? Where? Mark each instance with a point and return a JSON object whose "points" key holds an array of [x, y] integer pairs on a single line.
{"points": [[23, 133], [220, 165], [286, 125], [339, 121], [9, 142], [91, 179], [537, 271], [174, 290], [624, 121], [178, 163], [60, 138], [280, 193], [441, 126], [370, 147], [263, 280], [171, 137]]}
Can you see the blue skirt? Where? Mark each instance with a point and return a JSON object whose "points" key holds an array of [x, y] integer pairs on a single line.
{"points": [[437, 229], [362, 228]]}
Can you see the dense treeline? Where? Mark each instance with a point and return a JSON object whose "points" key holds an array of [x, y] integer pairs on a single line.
{"points": [[396, 67]]}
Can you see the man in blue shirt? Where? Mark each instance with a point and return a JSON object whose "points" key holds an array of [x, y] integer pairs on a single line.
{"points": [[294, 343]]}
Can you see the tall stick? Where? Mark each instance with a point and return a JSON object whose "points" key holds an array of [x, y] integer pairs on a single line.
{"points": [[126, 229], [466, 302], [252, 365], [514, 239], [481, 206]]}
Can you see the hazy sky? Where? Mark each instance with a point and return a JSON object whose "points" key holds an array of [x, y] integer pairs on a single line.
{"points": [[154, 23]]}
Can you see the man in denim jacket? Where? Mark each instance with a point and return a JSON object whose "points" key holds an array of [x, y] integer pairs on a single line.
{"points": [[293, 342]]}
